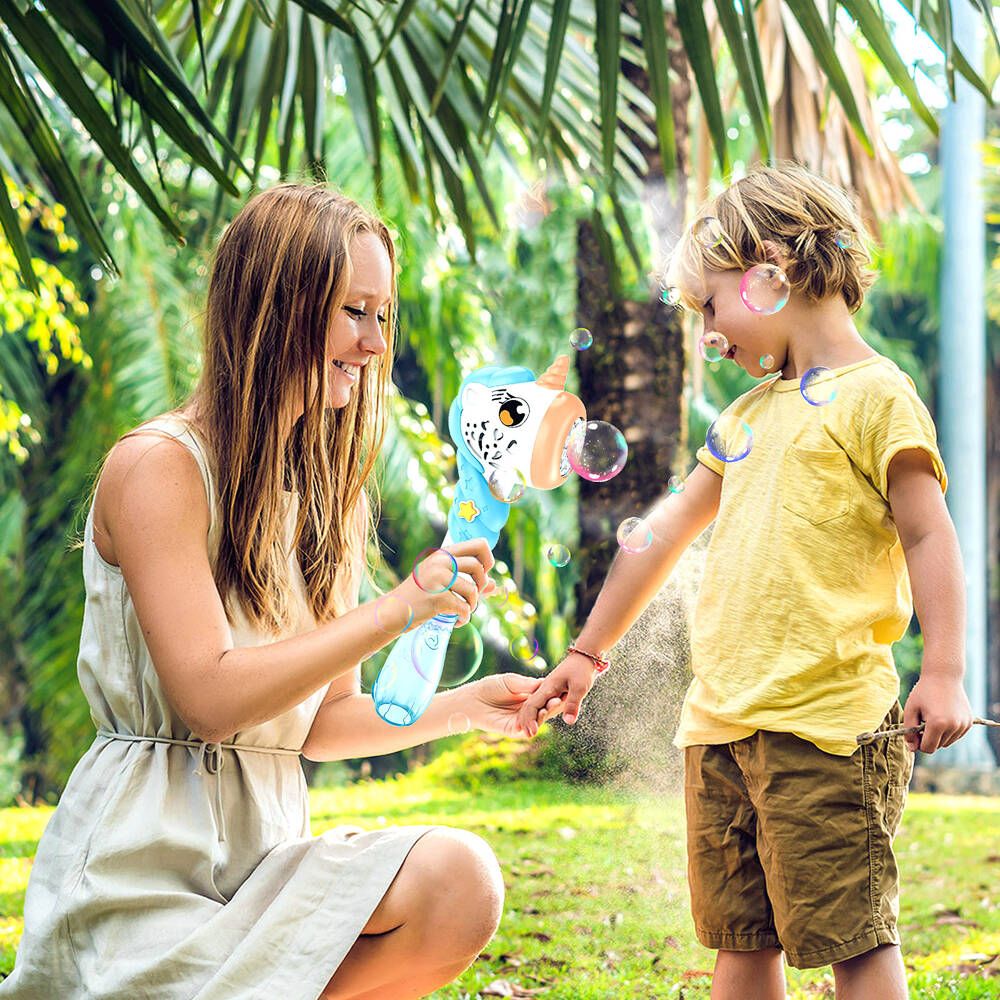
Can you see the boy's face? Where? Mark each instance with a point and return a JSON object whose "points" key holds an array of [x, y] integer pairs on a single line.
{"points": [[750, 335]]}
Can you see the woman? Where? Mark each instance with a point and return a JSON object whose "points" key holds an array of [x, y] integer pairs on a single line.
{"points": [[223, 554]]}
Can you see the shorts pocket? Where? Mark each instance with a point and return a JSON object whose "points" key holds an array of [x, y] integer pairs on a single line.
{"points": [[900, 762], [816, 483]]}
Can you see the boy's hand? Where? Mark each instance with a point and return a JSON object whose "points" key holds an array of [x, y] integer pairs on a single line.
{"points": [[569, 682], [941, 704]]}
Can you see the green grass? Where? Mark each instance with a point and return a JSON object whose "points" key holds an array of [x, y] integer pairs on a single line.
{"points": [[596, 894]]}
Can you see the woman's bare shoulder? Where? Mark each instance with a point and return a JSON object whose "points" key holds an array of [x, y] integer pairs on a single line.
{"points": [[147, 475]]}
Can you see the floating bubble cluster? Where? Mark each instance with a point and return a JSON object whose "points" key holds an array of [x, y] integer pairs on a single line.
{"points": [[557, 554], [597, 451], [581, 338], [815, 391], [729, 438], [634, 535], [712, 346], [764, 289]]}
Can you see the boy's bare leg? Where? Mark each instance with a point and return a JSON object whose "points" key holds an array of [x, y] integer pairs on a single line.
{"points": [[877, 973], [749, 975]]}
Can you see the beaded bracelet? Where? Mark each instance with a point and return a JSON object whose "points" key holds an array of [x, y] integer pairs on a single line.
{"points": [[601, 663]]}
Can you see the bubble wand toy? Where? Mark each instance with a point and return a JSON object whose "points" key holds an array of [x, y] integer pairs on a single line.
{"points": [[511, 431]]}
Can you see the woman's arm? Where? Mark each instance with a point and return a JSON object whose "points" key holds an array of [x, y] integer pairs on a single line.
{"points": [[156, 512], [347, 725]]}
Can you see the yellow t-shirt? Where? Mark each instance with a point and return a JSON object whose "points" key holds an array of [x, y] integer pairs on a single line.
{"points": [[805, 585]]}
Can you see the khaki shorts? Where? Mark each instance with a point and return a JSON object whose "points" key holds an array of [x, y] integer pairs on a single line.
{"points": [[791, 847]]}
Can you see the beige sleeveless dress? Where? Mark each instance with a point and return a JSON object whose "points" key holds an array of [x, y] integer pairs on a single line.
{"points": [[188, 872]]}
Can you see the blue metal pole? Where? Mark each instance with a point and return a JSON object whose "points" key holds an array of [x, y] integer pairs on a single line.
{"points": [[962, 394]]}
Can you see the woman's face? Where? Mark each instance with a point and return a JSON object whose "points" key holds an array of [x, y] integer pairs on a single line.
{"points": [[357, 334]]}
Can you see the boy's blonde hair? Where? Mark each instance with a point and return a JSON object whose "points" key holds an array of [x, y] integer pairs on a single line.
{"points": [[803, 213]]}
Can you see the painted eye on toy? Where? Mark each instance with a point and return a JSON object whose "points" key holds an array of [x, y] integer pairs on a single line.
{"points": [[513, 413]]}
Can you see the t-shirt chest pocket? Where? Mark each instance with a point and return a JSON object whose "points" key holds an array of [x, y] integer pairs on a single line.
{"points": [[816, 483]]}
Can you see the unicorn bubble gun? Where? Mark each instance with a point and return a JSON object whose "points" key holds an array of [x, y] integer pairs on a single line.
{"points": [[511, 431]]}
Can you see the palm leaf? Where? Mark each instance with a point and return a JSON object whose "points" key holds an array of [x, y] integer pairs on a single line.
{"points": [[698, 47], [20, 102], [655, 36], [607, 44], [738, 33], [46, 50], [11, 226], [808, 17]]}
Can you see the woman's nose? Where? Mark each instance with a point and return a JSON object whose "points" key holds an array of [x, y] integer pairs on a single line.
{"points": [[373, 340]]}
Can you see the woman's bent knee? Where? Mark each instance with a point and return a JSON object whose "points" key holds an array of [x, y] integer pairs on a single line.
{"points": [[463, 890]]}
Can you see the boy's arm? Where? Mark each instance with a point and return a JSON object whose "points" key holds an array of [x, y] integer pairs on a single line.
{"points": [[934, 563], [632, 582]]}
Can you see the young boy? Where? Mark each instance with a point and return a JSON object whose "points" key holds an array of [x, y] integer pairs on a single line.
{"points": [[820, 531]]}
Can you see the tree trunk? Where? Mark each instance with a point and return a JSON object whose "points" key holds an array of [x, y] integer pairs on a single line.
{"points": [[633, 377]]}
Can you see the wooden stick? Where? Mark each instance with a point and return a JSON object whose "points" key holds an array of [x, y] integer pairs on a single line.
{"points": [[865, 738]]}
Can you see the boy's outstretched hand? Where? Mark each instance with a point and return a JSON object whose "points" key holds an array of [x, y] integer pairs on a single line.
{"points": [[569, 682], [942, 705]]}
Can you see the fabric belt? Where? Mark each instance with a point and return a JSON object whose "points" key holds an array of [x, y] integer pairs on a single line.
{"points": [[207, 754]]}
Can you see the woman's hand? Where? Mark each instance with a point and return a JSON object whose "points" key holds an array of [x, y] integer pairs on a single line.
{"points": [[496, 700], [451, 581]]}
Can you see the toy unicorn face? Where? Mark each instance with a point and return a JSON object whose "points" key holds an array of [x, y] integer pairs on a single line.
{"points": [[520, 430]]}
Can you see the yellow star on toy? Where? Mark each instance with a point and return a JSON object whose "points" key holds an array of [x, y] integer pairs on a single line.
{"points": [[468, 511]]}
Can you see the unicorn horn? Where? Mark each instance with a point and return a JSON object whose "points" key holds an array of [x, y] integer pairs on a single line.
{"points": [[555, 374]]}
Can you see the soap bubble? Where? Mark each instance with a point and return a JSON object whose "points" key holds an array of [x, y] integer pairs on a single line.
{"points": [[557, 554], [729, 438], [814, 393], [463, 657], [767, 362], [392, 615], [507, 487], [581, 338], [634, 535], [708, 231], [524, 648], [764, 289], [423, 572], [675, 484], [844, 239], [671, 295], [712, 346], [458, 722], [505, 590], [597, 451]]}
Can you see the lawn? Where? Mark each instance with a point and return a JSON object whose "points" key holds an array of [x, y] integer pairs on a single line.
{"points": [[596, 898]]}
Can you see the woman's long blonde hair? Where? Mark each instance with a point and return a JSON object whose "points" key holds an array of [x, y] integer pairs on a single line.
{"points": [[280, 274]]}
